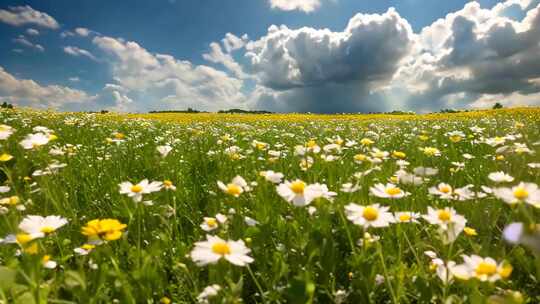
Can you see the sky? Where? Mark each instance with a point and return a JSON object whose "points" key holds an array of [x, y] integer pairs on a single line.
{"points": [[322, 56]]}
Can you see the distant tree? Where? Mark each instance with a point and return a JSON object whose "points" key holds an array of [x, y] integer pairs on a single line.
{"points": [[497, 105], [6, 105]]}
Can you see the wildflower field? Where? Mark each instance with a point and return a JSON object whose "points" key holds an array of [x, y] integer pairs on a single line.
{"points": [[210, 208]]}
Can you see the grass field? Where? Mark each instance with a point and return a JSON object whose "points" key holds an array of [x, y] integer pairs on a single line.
{"points": [[208, 208]]}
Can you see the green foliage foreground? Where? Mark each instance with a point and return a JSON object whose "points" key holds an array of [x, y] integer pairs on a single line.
{"points": [[354, 211]]}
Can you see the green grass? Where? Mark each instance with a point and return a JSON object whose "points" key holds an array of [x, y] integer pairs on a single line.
{"points": [[298, 257]]}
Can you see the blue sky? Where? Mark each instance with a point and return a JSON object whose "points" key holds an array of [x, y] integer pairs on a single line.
{"points": [[278, 55]]}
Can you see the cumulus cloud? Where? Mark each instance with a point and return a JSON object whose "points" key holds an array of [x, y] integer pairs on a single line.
{"points": [[473, 56], [22, 15], [216, 55], [324, 70], [22, 40], [291, 5], [78, 52], [27, 92], [32, 32], [231, 42], [82, 31], [163, 82]]}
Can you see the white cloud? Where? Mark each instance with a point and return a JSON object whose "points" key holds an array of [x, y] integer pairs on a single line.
{"points": [[77, 52], [84, 32], [74, 79], [320, 70], [216, 55], [22, 15], [291, 5], [232, 42], [469, 58], [27, 92], [22, 40], [32, 32], [164, 82], [478, 54]]}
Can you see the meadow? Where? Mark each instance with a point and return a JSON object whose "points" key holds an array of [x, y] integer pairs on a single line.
{"points": [[296, 208]]}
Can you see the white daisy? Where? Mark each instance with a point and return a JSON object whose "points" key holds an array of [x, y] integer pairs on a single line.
{"points": [[137, 191], [271, 176], [450, 223], [483, 269], [369, 216], [212, 223], [236, 187], [215, 248], [36, 140], [443, 191], [164, 150], [500, 177], [387, 191], [407, 217], [37, 226], [5, 132], [297, 192], [523, 192]]}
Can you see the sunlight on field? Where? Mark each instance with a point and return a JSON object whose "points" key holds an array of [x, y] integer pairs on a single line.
{"points": [[278, 208]]}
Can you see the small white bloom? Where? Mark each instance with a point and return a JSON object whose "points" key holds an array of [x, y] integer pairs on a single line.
{"points": [[137, 191], [387, 191], [500, 177], [164, 150], [271, 176], [215, 248], [369, 216], [38, 226]]}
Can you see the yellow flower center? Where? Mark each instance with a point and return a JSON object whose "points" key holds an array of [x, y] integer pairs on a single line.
{"points": [[46, 229], [167, 183], [5, 157], [444, 215], [211, 222], [119, 136], [423, 137], [359, 157], [14, 200], [455, 138], [431, 151], [234, 189], [23, 238], [399, 154], [298, 187], [370, 213], [404, 217], [88, 247], [311, 144], [261, 146], [136, 188], [505, 271], [32, 249], [393, 191], [366, 141], [221, 248], [445, 189], [470, 231], [486, 269], [521, 193], [46, 258]]}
